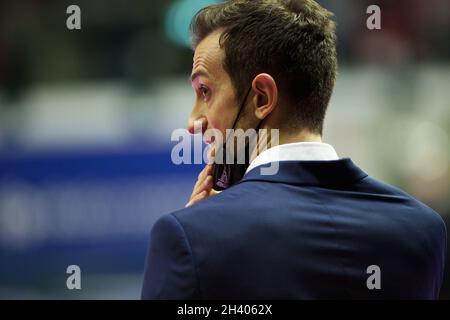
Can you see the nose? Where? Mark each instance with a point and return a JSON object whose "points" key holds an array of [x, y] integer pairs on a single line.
{"points": [[194, 118]]}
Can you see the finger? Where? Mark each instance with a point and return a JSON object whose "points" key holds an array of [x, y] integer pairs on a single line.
{"points": [[207, 170], [213, 192], [197, 198], [211, 154], [202, 185], [208, 183]]}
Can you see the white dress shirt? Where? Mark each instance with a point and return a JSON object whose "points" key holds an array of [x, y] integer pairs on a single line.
{"points": [[296, 151]]}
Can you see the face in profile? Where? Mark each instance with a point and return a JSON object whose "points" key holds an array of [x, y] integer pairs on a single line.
{"points": [[215, 100]]}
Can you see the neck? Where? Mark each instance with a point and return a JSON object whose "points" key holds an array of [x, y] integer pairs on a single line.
{"points": [[302, 136], [265, 141]]}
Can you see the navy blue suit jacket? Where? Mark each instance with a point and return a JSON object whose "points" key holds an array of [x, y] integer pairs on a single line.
{"points": [[308, 232]]}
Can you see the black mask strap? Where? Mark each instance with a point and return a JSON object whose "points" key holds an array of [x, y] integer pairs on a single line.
{"points": [[240, 110], [225, 175]]}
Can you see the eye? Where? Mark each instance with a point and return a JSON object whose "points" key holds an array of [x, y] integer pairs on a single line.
{"points": [[204, 91]]}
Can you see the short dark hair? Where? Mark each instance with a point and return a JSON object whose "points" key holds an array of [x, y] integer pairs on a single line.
{"points": [[292, 40]]}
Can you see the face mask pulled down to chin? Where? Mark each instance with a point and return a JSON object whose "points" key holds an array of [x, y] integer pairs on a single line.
{"points": [[225, 172]]}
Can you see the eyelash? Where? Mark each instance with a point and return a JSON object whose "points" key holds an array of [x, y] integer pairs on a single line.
{"points": [[204, 91]]}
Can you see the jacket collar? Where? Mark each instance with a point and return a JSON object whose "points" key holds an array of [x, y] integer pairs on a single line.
{"points": [[328, 172], [295, 152]]}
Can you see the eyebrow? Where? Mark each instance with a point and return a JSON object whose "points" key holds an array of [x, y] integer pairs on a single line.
{"points": [[199, 73]]}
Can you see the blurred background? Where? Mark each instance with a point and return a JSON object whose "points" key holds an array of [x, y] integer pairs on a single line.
{"points": [[86, 118]]}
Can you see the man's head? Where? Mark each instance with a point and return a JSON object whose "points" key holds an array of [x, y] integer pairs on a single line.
{"points": [[283, 51]]}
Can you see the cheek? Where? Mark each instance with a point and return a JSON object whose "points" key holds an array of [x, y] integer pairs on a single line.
{"points": [[221, 114], [218, 122]]}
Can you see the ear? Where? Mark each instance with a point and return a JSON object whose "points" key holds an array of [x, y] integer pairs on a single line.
{"points": [[266, 97]]}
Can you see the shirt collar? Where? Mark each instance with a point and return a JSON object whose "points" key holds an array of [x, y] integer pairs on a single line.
{"points": [[297, 151]]}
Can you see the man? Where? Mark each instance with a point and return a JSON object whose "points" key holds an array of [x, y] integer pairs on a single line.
{"points": [[319, 227]]}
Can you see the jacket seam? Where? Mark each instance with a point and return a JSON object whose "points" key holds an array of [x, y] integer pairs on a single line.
{"points": [[335, 228], [197, 278]]}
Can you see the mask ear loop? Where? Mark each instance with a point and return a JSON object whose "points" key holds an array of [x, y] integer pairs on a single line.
{"points": [[239, 114], [216, 185], [240, 111], [257, 137]]}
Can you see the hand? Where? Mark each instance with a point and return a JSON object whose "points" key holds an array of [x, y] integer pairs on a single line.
{"points": [[203, 187]]}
